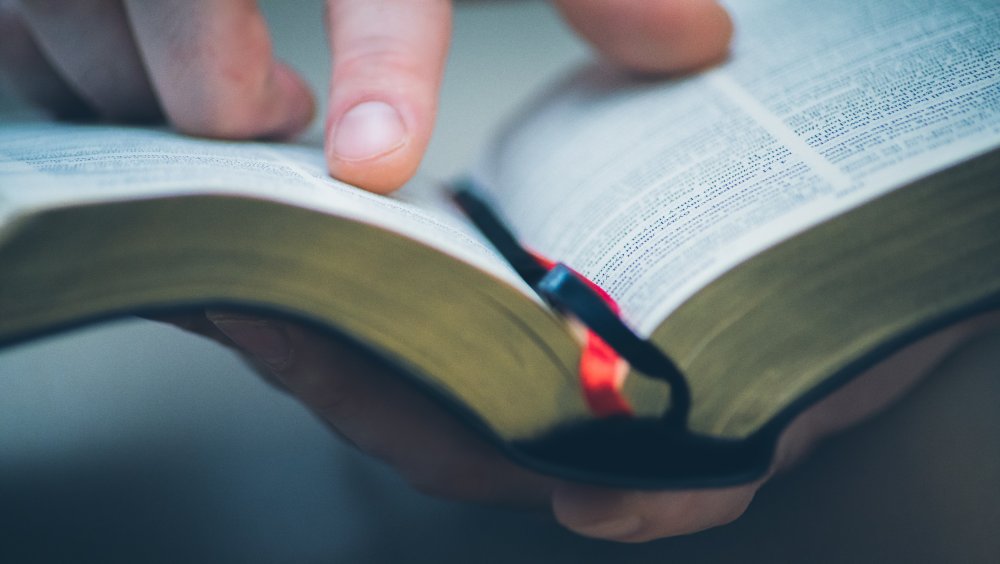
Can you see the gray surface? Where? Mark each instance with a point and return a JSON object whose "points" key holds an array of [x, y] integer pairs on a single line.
{"points": [[134, 442]]}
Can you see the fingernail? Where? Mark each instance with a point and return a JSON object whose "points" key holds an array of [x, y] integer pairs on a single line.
{"points": [[261, 339], [368, 130], [616, 529]]}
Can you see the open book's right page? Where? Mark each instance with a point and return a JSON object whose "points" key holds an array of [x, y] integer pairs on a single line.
{"points": [[654, 189]]}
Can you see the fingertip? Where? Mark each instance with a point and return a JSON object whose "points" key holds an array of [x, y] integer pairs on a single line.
{"points": [[640, 516], [383, 175], [372, 146], [653, 37], [278, 107], [299, 105], [595, 512]]}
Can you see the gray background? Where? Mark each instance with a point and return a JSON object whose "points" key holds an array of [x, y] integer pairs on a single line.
{"points": [[134, 442]]}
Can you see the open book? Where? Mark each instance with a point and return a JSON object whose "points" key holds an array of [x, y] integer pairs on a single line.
{"points": [[772, 226]]}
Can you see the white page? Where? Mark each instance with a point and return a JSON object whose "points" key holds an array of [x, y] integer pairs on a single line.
{"points": [[44, 164], [654, 189]]}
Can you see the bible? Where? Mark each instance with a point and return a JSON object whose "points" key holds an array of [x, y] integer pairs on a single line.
{"points": [[740, 242]]}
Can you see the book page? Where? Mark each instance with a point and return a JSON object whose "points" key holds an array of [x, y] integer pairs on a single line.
{"points": [[45, 164], [653, 189]]}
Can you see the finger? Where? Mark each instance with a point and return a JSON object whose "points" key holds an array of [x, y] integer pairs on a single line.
{"points": [[874, 389], [195, 322], [382, 415], [26, 71], [212, 66], [388, 59], [90, 44], [665, 36], [638, 516]]}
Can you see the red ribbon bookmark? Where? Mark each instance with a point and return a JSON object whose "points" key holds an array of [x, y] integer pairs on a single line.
{"points": [[602, 369]]}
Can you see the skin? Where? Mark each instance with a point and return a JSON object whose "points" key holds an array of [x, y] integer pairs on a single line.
{"points": [[206, 67], [366, 404]]}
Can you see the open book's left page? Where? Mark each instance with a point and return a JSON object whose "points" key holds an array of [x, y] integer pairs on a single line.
{"points": [[50, 165], [108, 221]]}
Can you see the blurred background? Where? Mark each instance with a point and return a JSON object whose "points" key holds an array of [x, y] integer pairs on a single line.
{"points": [[133, 442]]}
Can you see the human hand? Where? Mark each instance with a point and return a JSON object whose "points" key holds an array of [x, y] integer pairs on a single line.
{"points": [[207, 66], [361, 400]]}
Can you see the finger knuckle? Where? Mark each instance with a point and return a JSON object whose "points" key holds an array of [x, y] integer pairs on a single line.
{"points": [[233, 89], [378, 60], [229, 112]]}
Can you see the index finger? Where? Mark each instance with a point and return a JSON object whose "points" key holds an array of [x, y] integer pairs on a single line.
{"points": [[388, 61]]}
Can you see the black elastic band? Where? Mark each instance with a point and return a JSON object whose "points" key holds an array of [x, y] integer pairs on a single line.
{"points": [[490, 225], [563, 288], [567, 292]]}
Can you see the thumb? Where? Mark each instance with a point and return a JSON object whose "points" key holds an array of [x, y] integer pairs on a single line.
{"points": [[388, 59], [656, 37], [361, 398]]}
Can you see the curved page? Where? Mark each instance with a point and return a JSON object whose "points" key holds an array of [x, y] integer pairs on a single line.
{"points": [[46, 164], [654, 189]]}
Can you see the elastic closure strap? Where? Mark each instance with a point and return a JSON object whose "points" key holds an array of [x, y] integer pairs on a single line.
{"points": [[569, 292], [602, 369], [608, 338]]}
